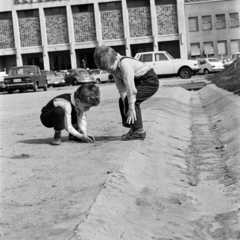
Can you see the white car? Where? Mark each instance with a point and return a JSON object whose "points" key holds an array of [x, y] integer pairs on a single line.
{"points": [[164, 64], [233, 57], [99, 76], [210, 65]]}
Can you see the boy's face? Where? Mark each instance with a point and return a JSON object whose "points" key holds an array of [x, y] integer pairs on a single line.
{"points": [[113, 67], [83, 106]]}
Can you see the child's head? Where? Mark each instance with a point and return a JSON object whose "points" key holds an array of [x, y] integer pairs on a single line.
{"points": [[105, 57], [87, 96]]}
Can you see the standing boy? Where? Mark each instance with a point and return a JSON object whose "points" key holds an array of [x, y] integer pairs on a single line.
{"points": [[68, 111], [135, 81]]}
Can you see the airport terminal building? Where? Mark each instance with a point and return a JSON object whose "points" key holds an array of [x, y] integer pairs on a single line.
{"points": [[62, 34]]}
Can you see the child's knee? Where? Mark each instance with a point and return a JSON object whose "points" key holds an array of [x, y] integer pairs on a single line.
{"points": [[59, 112]]}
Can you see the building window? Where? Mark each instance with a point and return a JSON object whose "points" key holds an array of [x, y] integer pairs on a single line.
{"points": [[206, 23], [28, 13], [235, 46], [5, 15], [234, 20], [220, 21], [139, 3], [82, 8], [55, 11], [195, 49], [165, 2], [193, 24], [208, 49], [222, 47], [110, 6]]}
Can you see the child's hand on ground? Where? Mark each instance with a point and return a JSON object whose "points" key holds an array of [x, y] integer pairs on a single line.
{"points": [[87, 138], [131, 116]]}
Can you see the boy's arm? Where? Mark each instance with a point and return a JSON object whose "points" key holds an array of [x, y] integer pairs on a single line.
{"points": [[82, 122], [67, 120], [128, 78]]}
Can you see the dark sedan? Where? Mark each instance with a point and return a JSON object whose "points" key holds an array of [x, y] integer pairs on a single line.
{"points": [[78, 76]]}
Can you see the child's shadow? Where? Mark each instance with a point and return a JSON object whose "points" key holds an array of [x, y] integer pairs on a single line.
{"points": [[65, 139]]}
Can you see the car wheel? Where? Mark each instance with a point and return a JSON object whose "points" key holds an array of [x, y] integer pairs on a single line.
{"points": [[98, 81], [10, 91], [185, 72], [21, 90], [35, 88], [45, 87], [75, 82], [206, 71]]}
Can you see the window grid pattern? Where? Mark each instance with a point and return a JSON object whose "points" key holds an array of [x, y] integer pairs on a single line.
{"points": [[7, 35], [167, 21], [140, 22], [84, 27], [112, 24], [30, 33], [57, 30]]}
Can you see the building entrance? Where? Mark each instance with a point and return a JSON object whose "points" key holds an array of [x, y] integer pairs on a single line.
{"points": [[6, 62], [171, 47], [60, 60], [145, 47], [33, 59]]}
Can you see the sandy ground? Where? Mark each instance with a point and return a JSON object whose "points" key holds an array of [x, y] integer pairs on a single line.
{"points": [[181, 182]]}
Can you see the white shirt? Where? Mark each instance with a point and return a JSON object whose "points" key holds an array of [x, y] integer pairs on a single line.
{"points": [[81, 116], [124, 75]]}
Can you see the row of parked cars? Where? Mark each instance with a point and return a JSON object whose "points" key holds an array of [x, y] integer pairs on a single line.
{"points": [[31, 77]]}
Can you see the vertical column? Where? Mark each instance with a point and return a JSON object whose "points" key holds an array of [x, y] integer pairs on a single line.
{"points": [[154, 24], [98, 26], [71, 37], [182, 29], [43, 28], [126, 27], [17, 38]]}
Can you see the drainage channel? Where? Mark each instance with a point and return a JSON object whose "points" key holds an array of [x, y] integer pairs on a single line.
{"points": [[206, 166]]}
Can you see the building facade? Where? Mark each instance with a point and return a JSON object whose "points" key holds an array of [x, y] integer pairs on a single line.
{"points": [[212, 28], [62, 34]]}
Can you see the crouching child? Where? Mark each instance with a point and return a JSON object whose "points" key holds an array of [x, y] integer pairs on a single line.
{"points": [[68, 111]]}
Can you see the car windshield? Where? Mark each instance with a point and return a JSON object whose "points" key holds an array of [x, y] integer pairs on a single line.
{"points": [[94, 72], [48, 73], [213, 60], [23, 71], [169, 55], [82, 72]]}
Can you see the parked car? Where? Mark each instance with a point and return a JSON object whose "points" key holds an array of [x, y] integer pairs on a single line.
{"points": [[100, 76], [24, 78], [54, 79], [78, 76], [164, 64], [3, 74], [232, 58], [111, 78], [210, 65]]}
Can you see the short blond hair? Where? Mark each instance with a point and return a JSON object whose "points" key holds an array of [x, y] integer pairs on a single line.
{"points": [[104, 57]]}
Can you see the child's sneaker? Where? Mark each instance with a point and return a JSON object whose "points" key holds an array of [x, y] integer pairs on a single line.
{"points": [[57, 138], [134, 134]]}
